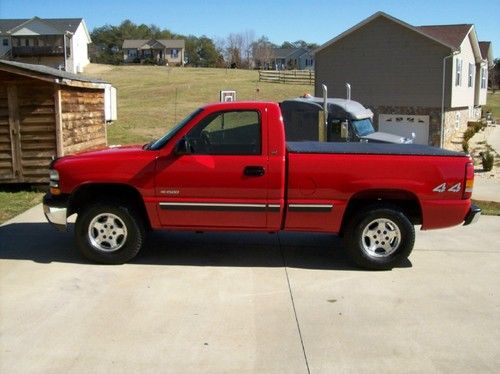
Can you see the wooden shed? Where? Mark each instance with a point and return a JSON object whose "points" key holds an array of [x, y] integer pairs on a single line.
{"points": [[46, 113]]}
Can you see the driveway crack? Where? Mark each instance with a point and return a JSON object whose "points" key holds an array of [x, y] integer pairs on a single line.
{"points": [[285, 266]]}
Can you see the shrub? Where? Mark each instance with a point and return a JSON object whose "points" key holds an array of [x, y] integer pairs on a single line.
{"points": [[469, 133], [476, 125], [487, 159], [465, 146], [149, 61]]}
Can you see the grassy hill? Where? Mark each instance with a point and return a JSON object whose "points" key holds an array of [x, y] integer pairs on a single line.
{"points": [[493, 104], [151, 99]]}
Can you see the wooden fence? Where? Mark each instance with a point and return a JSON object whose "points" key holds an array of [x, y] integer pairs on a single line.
{"points": [[287, 76]]}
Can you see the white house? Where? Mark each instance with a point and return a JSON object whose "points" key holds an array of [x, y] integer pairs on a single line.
{"points": [[56, 42]]}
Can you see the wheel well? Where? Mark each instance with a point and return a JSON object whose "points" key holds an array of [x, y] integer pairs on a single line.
{"points": [[92, 193], [404, 200]]}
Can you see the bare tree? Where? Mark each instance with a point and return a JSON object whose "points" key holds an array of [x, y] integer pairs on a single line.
{"points": [[263, 52], [248, 38], [234, 48]]}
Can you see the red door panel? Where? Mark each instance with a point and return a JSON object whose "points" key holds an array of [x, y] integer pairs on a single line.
{"points": [[211, 191]]}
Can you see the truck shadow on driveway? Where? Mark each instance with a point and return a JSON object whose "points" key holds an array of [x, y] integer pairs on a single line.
{"points": [[40, 243]]}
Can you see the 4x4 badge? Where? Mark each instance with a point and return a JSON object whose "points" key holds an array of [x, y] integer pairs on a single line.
{"points": [[442, 188]]}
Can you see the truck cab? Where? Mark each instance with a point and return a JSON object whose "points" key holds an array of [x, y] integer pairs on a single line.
{"points": [[347, 121]]}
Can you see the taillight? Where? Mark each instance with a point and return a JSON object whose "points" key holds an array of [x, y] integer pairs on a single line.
{"points": [[469, 180]]}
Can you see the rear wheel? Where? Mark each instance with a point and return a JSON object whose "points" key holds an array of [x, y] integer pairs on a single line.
{"points": [[109, 233], [381, 238]]}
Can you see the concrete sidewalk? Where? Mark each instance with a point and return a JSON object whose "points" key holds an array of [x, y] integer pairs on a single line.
{"points": [[232, 302], [489, 189], [493, 138], [486, 189]]}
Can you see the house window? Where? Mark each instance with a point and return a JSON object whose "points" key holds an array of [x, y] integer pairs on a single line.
{"points": [[484, 77], [5, 42], [174, 53], [457, 120], [471, 74], [458, 76]]}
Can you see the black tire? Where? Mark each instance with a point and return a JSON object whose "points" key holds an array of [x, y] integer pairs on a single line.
{"points": [[123, 225], [380, 238]]}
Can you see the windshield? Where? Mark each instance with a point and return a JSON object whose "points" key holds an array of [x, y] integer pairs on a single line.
{"points": [[157, 144], [363, 127]]}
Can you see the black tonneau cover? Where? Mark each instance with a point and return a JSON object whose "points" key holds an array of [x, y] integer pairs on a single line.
{"points": [[369, 148]]}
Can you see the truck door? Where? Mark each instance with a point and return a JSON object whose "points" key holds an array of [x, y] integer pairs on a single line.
{"points": [[222, 181]]}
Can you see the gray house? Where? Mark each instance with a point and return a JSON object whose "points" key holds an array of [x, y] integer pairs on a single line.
{"points": [[430, 80], [162, 51], [292, 58]]}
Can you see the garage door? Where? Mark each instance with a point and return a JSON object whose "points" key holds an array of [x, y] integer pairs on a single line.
{"points": [[404, 125]]}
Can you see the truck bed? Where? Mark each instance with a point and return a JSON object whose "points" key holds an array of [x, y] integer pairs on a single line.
{"points": [[369, 148]]}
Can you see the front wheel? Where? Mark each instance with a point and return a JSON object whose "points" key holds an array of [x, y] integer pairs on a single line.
{"points": [[380, 239], [109, 233]]}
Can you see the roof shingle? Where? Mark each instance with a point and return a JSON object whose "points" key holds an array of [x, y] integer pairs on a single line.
{"points": [[485, 48], [167, 43], [63, 24], [452, 35]]}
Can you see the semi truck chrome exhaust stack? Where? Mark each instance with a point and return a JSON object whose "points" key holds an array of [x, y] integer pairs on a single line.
{"points": [[348, 87]]}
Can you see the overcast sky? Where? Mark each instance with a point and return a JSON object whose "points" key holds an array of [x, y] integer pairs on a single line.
{"points": [[314, 21]]}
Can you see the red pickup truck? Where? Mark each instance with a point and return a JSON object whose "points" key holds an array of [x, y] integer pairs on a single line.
{"points": [[227, 167]]}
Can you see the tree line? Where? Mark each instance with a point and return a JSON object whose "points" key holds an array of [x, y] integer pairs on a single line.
{"points": [[237, 50]]}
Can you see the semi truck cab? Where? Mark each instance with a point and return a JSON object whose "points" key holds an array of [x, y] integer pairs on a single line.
{"points": [[346, 121]]}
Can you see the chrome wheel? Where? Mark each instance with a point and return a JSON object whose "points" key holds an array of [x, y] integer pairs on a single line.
{"points": [[107, 232], [381, 237]]}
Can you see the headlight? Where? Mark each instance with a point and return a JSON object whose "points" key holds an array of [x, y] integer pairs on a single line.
{"points": [[54, 178], [54, 182]]}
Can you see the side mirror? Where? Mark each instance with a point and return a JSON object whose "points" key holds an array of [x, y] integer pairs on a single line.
{"points": [[182, 147], [344, 130]]}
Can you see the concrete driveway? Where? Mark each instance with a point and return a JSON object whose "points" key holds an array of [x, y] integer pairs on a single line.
{"points": [[248, 303]]}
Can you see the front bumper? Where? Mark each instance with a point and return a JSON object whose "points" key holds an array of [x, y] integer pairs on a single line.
{"points": [[55, 209], [473, 215]]}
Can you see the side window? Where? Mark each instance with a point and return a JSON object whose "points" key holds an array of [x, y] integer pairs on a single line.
{"points": [[458, 73], [227, 133]]}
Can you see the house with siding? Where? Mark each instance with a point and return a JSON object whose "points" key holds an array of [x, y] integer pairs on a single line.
{"points": [[161, 51], [487, 53], [430, 80], [292, 58], [60, 43]]}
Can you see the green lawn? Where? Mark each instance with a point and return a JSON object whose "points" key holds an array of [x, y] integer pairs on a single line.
{"points": [[151, 99], [14, 202], [493, 104]]}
